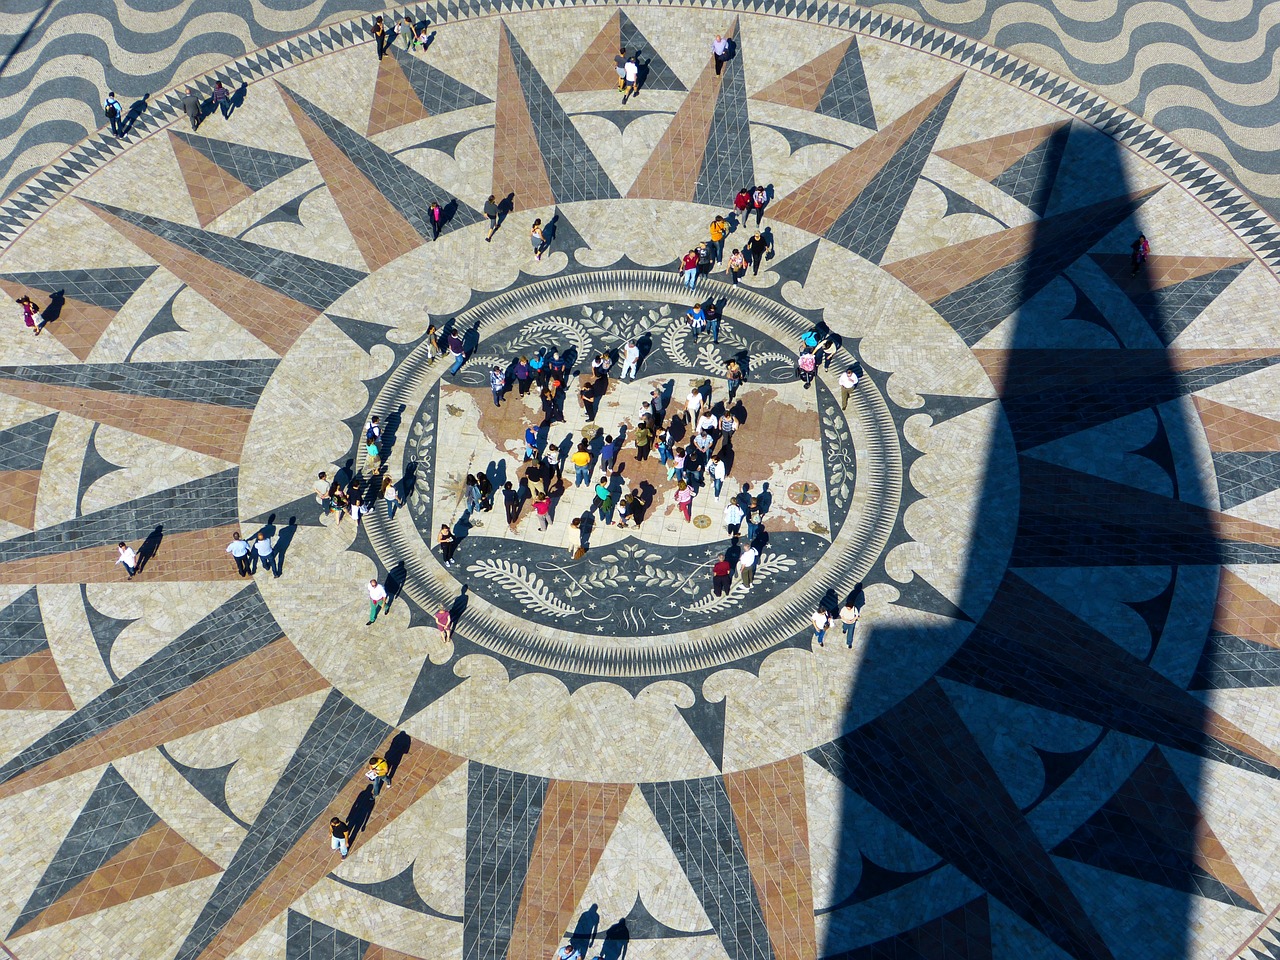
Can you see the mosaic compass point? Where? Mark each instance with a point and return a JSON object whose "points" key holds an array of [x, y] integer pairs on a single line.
{"points": [[706, 719]]}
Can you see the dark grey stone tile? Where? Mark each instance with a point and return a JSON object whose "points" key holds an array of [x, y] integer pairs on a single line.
{"points": [[1245, 476], [22, 447], [22, 628], [228, 383], [110, 288], [399, 890], [1229, 662], [252, 166], [439, 92], [728, 165], [308, 939], [1171, 309], [658, 75], [847, 97]]}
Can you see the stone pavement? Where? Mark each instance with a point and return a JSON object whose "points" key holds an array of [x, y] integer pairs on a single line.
{"points": [[1052, 496]]}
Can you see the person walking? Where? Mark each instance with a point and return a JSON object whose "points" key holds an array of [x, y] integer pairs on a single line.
{"points": [[537, 238], [689, 269], [753, 518], [221, 99], [747, 565], [696, 317], [239, 550], [379, 36], [821, 620], [111, 107], [684, 498], [379, 774], [339, 836], [620, 65], [262, 554], [742, 203], [457, 352], [1141, 251], [497, 384], [377, 597], [127, 558], [444, 623], [733, 519], [737, 267], [755, 251], [542, 510], [391, 496], [727, 427], [759, 200], [432, 343], [693, 403], [679, 457], [715, 470], [849, 620], [324, 495], [192, 108], [807, 365], [631, 80], [448, 543], [436, 215], [630, 358], [31, 315], [848, 380], [719, 52], [733, 375], [492, 212], [721, 577], [719, 229]]}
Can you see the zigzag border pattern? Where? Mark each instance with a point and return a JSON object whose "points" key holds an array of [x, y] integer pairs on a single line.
{"points": [[1224, 199]]}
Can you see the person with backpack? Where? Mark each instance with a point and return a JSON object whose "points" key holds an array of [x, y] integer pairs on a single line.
{"points": [[111, 107]]}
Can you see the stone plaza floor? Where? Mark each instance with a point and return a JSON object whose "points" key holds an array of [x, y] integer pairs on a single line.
{"points": [[1052, 495]]}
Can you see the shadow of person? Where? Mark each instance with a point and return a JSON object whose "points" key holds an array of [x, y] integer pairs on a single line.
{"points": [[617, 939], [136, 110], [149, 547], [767, 235], [342, 479], [237, 99], [642, 72], [462, 528], [394, 584], [496, 471], [269, 528], [397, 750], [358, 816], [647, 492], [471, 340], [409, 480], [390, 425], [425, 44], [584, 931], [764, 499], [282, 544], [447, 210], [459, 605], [57, 301], [505, 207]]}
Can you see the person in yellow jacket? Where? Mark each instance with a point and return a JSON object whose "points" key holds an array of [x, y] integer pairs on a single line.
{"points": [[379, 774], [719, 229]]}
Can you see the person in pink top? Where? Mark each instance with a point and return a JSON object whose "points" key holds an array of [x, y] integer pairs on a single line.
{"points": [[444, 623], [684, 498]]}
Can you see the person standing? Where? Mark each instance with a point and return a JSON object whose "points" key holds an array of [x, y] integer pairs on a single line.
{"points": [[111, 107], [324, 498], [737, 266], [696, 317], [377, 597], [471, 493], [589, 392], [497, 384], [689, 269], [340, 836], [755, 250], [391, 495], [581, 461], [629, 508], [849, 620], [715, 470], [511, 503], [436, 215], [747, 565], [379, 774], [524, 376], [379, 36], [542, 510], [1141, 251], [719, 52], [742, 203], [727, 427], [821, 620], [127, 558], [759, 200], [192, 108], [644, 437], [733, 519], [630, 80], [752, 513], [609, 454], [448, 543], [719, 229], [630, 358], [721, 577], [848, 380], [807, 364], [239, 550], [537, 238], [444, 623], [713, 320], [262, 553], [693, 404], [432, 342], [31, 315], [492, 212]]}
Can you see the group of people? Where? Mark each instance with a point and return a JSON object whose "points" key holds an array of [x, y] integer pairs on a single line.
{"points": [[378, 773], [709, 254], [415, 35]]}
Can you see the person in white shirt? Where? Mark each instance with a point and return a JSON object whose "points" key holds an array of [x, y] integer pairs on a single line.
{"points": [[377, 596], [708, 421], [693, 404], [848, 380], [128, 559], [630, 358], [262, 550], [715, 470], [821, 620], [849, 620], [631, 78], [239, 549], [733, 519], [322, 487], [747, 566]]}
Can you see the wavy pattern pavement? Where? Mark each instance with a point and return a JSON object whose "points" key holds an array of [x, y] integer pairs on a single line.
{"points": [[1204, 71]]}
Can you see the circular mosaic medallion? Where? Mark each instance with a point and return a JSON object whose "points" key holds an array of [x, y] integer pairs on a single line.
{"points": [[803, 492]]}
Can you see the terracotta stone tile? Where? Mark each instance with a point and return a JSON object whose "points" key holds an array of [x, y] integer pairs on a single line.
{"points": [[213, 190], [990, 158], [517, 163], [1230, 430], [18, 489], [816, 204], [33, 683], [594, 69], [275, 674], [181, 557], [311, 859], [577, 821], [769, 806], [78, 326], [377, 227], [272, 317], [672, 170], [803, 87], [130, 874], [394, 101], [377, 952], [203, 427], [1244, 611], [1161, 270]]}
